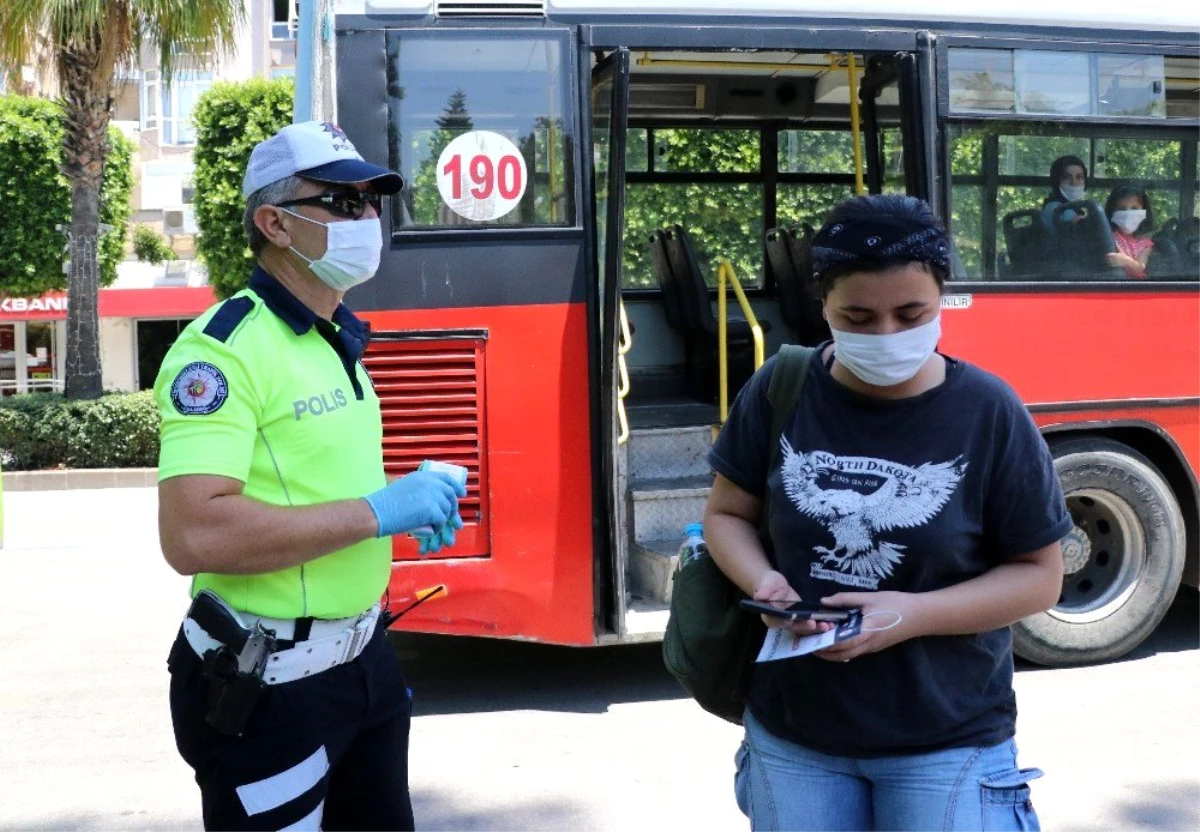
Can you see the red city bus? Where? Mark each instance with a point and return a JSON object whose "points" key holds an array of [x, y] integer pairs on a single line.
{"points": [[575, 170]]}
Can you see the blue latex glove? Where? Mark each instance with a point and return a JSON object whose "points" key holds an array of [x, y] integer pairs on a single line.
{"points": [[422, 498], [444, 536]]}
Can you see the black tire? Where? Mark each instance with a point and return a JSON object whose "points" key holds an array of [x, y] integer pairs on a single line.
{"points": [[1122, 561]]}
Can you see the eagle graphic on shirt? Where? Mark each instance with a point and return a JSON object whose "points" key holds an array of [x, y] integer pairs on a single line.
{"points": [[857, 499]]}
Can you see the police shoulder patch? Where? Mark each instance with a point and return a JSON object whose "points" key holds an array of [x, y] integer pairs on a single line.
{"points": [[199, 389]]}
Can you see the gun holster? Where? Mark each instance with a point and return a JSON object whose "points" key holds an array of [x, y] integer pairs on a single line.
{"points": [[232, 695], [234, 670]]}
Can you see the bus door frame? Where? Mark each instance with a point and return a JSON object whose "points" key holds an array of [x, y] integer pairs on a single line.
{"points": [[610, 572], [616, 38], [904, 69]]}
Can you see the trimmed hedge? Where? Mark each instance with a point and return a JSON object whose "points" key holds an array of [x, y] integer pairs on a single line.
{"points": [[230, 119], [45, 430]]}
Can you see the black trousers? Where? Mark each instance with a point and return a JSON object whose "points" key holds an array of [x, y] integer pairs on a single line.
{"points": [[326, 752]]}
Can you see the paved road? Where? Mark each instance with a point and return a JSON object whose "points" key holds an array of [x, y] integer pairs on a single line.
{"points": [[507, 735]]}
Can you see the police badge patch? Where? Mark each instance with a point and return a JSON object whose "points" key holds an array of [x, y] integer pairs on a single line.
{"points": [[199, 389]]}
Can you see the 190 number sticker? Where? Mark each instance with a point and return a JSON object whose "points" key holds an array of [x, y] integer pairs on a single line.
{"points": [[481, 175]]}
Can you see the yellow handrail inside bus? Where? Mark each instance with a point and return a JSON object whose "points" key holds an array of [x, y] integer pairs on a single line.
{"points": [[725, 273], [855, 126], [624, 344]]}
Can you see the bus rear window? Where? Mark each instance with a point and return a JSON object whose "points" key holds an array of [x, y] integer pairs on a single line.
{"points": [[479, 128]]}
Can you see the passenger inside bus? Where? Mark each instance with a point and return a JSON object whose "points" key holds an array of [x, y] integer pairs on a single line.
{"points": [[1068, 183], [1131, 217]]}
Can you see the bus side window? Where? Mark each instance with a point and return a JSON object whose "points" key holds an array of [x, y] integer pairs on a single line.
{"points": [[1009, 225], [1101, 120]]}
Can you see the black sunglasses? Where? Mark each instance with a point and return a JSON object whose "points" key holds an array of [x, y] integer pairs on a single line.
{"points": [[350, 205]]}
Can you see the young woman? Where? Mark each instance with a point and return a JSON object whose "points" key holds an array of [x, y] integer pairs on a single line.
{"points": [[916, 487], [1068, 183], [1128, 211]]}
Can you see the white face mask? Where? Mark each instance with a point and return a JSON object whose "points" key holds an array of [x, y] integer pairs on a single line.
{"points": [[886, 360], [1129, 220], [1073, 193], [352, 251]]}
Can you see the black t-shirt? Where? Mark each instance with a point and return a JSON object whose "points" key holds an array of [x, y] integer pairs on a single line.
{"points": [[909, 495]]}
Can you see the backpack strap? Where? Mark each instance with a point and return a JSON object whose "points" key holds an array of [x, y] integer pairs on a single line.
{"points": [[783, 394]]}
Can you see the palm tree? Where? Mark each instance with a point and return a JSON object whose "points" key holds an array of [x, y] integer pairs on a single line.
{"points": [[88, 40]]}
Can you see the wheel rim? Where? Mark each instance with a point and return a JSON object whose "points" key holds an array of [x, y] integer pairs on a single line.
{"points": [[1103, 556]]}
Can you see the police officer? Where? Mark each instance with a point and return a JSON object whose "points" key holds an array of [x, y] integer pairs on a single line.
{"points": [[272, 495]]}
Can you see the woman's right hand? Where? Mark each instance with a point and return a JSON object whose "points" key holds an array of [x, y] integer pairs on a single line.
{"points": [[1119, 259], [773, 586]]}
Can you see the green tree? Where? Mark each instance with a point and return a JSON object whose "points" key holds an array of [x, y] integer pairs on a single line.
{"points": [[725, 219], [87, 41], [151, 247], [452, 123], [546, 199], [230, 119], [35, 197]]}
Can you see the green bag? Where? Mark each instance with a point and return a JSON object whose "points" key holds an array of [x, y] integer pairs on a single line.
{"points": [[710, 643]]}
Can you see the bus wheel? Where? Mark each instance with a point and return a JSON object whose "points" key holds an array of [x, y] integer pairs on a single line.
{"points": [[1122, 561]]}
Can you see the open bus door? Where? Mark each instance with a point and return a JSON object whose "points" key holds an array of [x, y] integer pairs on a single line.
{"points": [[896, 148], [610, 94], [658, 480]]}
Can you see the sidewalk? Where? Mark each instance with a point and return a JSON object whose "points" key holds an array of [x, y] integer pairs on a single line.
{"points": [[80, 478]]}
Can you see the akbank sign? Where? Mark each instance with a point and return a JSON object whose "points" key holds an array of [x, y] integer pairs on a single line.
{"points": [[52, 305]]}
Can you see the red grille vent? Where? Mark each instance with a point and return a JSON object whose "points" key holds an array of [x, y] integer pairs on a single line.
{"points": [[431, 396]]}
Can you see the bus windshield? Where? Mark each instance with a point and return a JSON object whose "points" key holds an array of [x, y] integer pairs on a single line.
{"points": [[508, 88]]}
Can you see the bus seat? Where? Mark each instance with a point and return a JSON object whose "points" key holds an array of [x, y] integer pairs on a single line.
{"points": [[1165, 259], [1188, 242], [700, 324], [1176, 252], [697, 307], [1078, 245], [958, 269], [1025, 237], [791, 263], [778, 257], [671, 298], [784, 273]]}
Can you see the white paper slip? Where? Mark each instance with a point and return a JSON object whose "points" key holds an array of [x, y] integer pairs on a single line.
{"points": [[782, 643]]}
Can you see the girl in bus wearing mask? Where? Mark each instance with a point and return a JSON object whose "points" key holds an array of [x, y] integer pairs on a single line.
{"points": [[1068, 183], [915, 487], [1128, 211]]}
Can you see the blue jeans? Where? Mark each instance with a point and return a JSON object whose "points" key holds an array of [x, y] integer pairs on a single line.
{"points": [[781, 785]]}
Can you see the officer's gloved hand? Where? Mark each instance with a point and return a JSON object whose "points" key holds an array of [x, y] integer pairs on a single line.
{"points": [[422, 498], [442, 537]]}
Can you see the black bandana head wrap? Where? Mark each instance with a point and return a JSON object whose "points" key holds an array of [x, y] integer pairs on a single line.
{"points": [[880, 239]]}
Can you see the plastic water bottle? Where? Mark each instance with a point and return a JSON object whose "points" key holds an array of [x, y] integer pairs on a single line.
{"points": [[693, 548]]}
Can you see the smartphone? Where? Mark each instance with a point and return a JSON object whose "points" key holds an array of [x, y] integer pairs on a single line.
{"points": [[796, 610]]}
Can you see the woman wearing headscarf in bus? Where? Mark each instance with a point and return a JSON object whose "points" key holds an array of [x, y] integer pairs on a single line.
{"points": [[1068, 183], [1128, 211], [915, 487]]}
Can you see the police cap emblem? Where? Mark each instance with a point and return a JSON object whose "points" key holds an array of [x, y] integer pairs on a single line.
{"points": [[199, 389]]}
